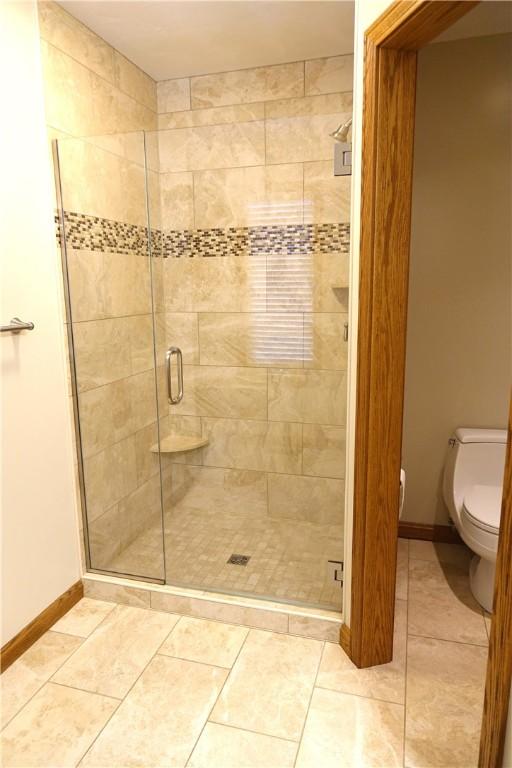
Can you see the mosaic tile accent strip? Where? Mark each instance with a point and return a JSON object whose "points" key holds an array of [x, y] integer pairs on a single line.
{"points": [[93, 233], [277, 240]]}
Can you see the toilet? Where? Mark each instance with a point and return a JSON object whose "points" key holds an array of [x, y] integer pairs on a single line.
{"points": [[472, 491]]}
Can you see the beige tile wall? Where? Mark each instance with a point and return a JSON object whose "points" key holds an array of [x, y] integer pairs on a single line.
{"points": [[261, 334]]}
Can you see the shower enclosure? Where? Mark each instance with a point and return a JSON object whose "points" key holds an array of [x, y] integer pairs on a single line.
{"points": [[206, 311]]}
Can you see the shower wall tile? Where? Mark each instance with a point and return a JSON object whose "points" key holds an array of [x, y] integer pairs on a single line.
{"points": [[248, 85], [330, 282], [214, 146], [110, 187], [87, 284], [114, 411], [105, 538], [81, 103], [309, 397], [177, 200], [111, 349], [237, 393], [323, 451], [205, 490], [105, 416], [146, 461], [301, 139], [261, 445], [238, 113], [327, 197], [329, 104], [139, 341], [324, 346], [173, 95], [63, 31], [133, 81], [329, 75], [127, 285], [254, 196], [129, 146], [182, 332], [102, 352], [214, 285], [252, 339], [109, 476], [315, 499], [138, 508]]}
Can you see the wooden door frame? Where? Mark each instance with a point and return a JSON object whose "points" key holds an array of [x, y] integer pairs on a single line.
{"points": [[391, 46]]}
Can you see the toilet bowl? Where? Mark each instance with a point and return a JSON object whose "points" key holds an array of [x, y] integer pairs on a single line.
{"points": [[472, 490]]}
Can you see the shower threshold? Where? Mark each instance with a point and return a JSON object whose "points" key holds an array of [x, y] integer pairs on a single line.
{"points": [[319, 624]]}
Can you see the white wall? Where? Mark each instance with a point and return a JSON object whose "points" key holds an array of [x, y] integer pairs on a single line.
{"points": [[458, 362], [40, 551]]}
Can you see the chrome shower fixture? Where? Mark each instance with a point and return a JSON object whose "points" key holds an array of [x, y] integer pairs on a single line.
{"points": [[341, 132]]}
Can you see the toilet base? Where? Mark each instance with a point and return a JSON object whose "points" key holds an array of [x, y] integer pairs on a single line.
{"points": [[481, 581]]}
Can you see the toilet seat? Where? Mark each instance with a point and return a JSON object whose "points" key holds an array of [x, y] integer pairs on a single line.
{"points": [[482, 507]]}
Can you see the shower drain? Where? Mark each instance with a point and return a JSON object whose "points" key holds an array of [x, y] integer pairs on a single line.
{"points": [[239, 559]]}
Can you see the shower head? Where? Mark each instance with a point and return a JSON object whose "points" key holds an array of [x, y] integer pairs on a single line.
{"points": [[341, 132]]}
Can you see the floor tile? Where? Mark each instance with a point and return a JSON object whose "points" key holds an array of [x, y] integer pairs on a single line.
{"points": [[386, 682], [344, 730], [488, 620], [457, 554], [223, 747], [445, 689], [270, 685], [112, 658], [441, 604], [209, 642], [161, 718], [55, 728], [24, 678], [84, 617], [402, 569]]}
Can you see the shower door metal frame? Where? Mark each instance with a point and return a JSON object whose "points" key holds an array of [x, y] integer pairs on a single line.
{"points": [[391, 46]]}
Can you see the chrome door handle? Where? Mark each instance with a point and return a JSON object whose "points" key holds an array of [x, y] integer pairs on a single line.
{"points": [[168, 355]]}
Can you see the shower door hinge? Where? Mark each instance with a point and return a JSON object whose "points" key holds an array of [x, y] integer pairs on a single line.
{"points": [[335, 568]]}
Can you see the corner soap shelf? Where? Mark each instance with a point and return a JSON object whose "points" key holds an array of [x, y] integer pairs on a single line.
{"points": [[179, 444]]}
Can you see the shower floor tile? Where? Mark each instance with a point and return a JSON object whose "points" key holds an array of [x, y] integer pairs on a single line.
{"points": [[288, 559]]}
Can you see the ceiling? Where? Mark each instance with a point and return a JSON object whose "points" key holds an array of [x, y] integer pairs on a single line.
{"points": [[192, 37], [487, 18]]}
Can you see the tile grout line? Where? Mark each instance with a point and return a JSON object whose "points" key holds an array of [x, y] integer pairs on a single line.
{"points": [[50, 679], [309, 704], [123, 698], [112, 85], [406, 657], [359, 695], [207, 720]]}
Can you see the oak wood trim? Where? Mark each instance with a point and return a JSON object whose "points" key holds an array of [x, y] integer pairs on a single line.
{"points": [[38, 626], [387, 160], [499, 661], [345, 638], [442, 533]]}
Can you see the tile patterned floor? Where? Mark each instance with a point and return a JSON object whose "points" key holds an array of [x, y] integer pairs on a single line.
{"points": [[288, 558], [115, 685]]}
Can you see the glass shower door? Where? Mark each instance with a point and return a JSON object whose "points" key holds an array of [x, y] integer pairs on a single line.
{"points": [[254, 277], [113, 298]]}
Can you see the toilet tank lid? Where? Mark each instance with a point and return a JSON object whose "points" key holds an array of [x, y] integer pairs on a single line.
{"points": [[470, 435]]}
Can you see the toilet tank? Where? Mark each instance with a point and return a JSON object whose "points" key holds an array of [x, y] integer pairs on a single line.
{"points": [[475, 457]]}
